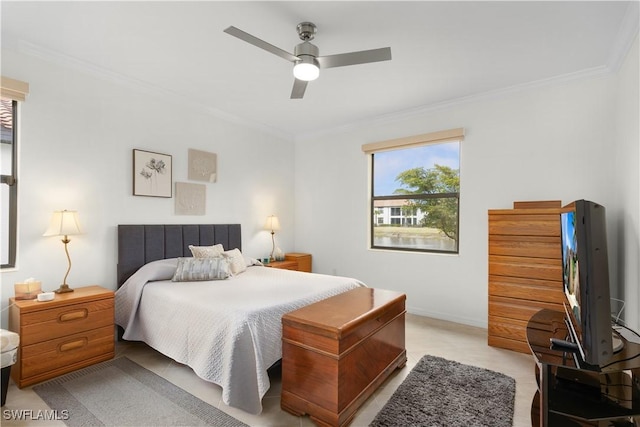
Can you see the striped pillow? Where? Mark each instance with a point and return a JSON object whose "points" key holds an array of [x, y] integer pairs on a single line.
{"points": [[196, 269]]}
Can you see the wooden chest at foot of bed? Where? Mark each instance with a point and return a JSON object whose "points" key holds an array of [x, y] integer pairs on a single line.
{"points": [[336, 352]]}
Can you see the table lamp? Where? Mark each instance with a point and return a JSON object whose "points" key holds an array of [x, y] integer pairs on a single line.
{"points": [[64, 223], [272, 224]]}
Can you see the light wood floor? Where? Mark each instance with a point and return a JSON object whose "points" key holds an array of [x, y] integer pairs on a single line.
{"points": [[423, 336]]}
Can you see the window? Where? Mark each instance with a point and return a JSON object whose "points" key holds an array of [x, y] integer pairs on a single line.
{"points": [[9, 188], [12, 92], [415, 192]]}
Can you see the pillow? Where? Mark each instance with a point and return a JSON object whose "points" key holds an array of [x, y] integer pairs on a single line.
{"points": [[236, 260], [251, 261], [195, 269], [206, 251]]}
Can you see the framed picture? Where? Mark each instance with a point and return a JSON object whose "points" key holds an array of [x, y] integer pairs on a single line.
{"points": [[203, 166], [152, 174], [191, 198]]}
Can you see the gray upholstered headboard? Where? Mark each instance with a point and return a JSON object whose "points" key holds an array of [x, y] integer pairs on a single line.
{"points": [[140, 244]]}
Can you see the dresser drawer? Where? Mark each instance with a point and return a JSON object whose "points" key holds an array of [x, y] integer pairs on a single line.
{"points": [[528, 268], [65, 351], [525, 246], [508, 328], [520, 309], [58, 322], [527, 291], [518, 224]]}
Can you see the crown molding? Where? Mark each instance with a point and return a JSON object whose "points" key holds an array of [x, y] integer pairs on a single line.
{"points": [[624, 40], [140, 86], [380, 120], [627, 33]]}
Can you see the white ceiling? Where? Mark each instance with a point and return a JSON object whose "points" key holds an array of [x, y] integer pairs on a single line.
{"points": [[442, 51]]}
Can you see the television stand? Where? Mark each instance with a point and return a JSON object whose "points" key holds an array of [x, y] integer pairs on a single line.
{"points": [[574, 393], [617, 342]]}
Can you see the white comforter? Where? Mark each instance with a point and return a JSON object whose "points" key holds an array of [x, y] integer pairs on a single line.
{"points": [[228, 331]]}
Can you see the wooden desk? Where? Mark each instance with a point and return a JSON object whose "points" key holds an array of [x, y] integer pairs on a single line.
{"points": [[573, 393]]}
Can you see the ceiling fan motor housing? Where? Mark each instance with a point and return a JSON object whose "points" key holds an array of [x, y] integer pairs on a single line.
{"points": [[307, 49], [306, 31]]}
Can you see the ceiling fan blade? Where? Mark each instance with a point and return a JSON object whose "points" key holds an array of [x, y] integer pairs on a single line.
{"points": [[299, 86], [354, 58], [236, 32]]}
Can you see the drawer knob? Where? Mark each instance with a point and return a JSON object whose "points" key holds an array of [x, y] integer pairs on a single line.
{"points": [[73, 315], [72, 345]]}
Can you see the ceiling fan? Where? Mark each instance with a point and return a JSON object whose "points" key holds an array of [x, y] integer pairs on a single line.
{"points": [[306, 56]]}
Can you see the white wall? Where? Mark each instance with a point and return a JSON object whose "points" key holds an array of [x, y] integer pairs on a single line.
{"points": [[626, 184], [77, 133], [573, 140], [545, 143]]}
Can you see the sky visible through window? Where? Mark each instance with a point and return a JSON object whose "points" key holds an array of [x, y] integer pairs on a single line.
{"points": [[389, 164]]}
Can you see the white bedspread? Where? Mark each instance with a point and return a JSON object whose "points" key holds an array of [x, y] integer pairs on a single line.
{"points": [[228, 331]]}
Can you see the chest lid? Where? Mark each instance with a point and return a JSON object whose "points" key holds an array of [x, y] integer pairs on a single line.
{"points": [[342, 314]]}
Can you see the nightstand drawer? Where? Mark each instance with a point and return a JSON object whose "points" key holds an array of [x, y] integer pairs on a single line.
{"points": [[65, 351], [49, 324], [284, 265], [303, 260]]}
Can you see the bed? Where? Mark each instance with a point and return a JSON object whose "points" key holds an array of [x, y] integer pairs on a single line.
{"points": [[228, 331]]}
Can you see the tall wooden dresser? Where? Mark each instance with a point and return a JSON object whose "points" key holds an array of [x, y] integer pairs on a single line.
{"points": [[525, 269]]}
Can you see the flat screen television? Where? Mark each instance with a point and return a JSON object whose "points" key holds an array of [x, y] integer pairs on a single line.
{"points": [[585, 268]]}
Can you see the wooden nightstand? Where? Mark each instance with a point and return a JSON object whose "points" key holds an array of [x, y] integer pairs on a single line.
{"points": [[293, 261], [74, 330], [286, 265], [303, 260]]}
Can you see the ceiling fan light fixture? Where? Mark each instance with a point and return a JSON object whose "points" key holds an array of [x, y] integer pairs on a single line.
{"points": [[307, 69], [306, 57]]}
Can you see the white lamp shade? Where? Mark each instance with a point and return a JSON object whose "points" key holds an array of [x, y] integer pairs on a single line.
{"points": [[306, 71], [64, 223], [272, 223]]}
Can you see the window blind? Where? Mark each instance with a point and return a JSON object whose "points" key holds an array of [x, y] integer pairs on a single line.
{"points": [[13, 89], [414, 141]]}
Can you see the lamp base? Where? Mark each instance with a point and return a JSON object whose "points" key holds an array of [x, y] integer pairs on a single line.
{"points": [[63, 289]]}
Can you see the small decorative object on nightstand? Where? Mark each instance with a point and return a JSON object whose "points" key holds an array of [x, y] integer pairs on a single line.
{"points": [[74, 330]]}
